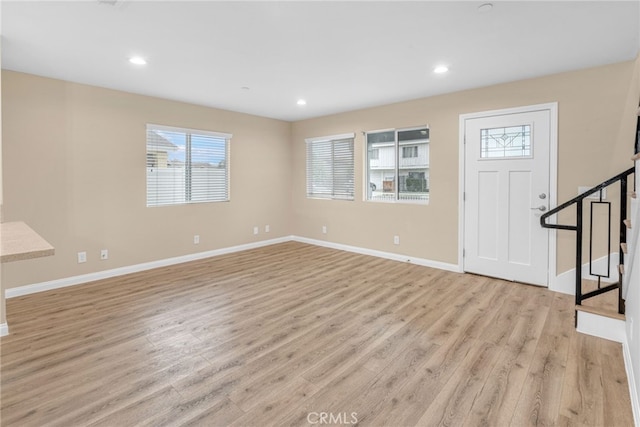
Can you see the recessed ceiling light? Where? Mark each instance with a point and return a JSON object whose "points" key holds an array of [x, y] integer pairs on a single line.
{"points": [[441, 69], [484, 8], [138, 60], [301, 102], [245, 88]]}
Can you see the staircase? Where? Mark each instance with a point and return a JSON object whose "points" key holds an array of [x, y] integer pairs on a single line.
{"points": [[601, 282]]}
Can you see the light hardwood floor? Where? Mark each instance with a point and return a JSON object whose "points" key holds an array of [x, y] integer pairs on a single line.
{"points": [[278, 335]]}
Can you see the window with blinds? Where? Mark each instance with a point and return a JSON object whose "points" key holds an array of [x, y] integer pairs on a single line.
{"points": [[186, 166], [330, 167]]}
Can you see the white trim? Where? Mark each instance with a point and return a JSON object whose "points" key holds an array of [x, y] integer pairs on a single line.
{"points": [[4, 329], [380, 254], [552, 107], [91, 277], [601, 326], [633, 392], [461, 177], [76, 280], [553, 187], [566, 282]]}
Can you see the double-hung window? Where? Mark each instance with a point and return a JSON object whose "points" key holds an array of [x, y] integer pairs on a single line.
{"points": [[410, 151], [186, 166], [330, 167], [398, 165]]}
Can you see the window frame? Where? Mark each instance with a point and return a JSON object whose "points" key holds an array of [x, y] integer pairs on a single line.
{"points": [[189, 133], [485, 151], [396, 145], [330, 139], [411, 149]]}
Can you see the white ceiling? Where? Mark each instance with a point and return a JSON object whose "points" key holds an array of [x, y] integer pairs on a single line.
{"points": [[338, 56]]}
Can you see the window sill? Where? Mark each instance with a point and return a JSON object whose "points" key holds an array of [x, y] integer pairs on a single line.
{"points": [[400, 202]]}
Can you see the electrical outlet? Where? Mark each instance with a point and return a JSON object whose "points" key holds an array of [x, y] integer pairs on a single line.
{"points": [[324, 229], [196, 239], [82, 257], [267, 228], [595, 195], [396, 240], [256, 230], [104, 254]]}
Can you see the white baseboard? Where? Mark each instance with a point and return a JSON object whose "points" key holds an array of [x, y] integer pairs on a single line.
{"points": [[91, 277], [380, 254], [602, 327], [633, 391], [566, 282], [4, 329]]}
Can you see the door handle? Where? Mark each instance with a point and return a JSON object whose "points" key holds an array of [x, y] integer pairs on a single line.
{"points": [[541, 208]]}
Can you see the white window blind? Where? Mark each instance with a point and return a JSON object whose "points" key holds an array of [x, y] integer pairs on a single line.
{"points": [[186, 166], [330, 167]]}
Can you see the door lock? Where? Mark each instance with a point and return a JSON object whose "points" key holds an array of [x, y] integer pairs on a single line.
{"points": [[542, 196]]}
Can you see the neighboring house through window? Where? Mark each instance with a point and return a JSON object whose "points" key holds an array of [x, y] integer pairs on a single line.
{"points": [[411, 151], [330, 167], [398, 165], [186, 166]]}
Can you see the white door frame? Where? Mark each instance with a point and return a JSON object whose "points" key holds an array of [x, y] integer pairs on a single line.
{"points": [[552, 107]]}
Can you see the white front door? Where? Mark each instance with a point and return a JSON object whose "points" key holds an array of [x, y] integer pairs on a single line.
{"points": [[506, 190]]}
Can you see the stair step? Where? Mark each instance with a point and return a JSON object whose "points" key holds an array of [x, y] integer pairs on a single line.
{"points": [[627, 222], [623, 246], [600, 311], [607, 300], [635, 157], [621, 269], [632, 194]]}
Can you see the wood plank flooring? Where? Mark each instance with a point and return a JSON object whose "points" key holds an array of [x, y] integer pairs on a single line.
{"points": [[279, 335]]}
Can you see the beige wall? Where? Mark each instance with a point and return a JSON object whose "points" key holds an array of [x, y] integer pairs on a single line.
{"points": [[595, 142], [74, 159]]}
